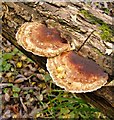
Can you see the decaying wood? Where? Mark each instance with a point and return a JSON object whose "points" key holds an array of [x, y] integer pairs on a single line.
{"points": [[74, 27]]}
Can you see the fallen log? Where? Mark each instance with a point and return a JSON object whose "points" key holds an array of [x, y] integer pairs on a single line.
{"points": [[78, 25]]}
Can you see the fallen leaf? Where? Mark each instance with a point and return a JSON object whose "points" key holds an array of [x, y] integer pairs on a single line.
{"points": [[40, 97], [9, 74], [19, 64], [23, 57], [14, 108], [24, 107], [40, 76], [2, 85], [20, 78], [7, 114], [7, 97]]}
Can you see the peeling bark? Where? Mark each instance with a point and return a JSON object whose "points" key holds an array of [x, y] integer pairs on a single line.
{"points": [[76, 28]]}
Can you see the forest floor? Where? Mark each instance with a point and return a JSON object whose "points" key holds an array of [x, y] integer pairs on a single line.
{"points": [[29, 92]]}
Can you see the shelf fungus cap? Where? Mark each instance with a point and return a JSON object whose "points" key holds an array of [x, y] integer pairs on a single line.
{"points": [[75, 73], [41, 40]]}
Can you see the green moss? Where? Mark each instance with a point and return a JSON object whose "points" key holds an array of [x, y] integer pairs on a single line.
{"points": [[91, 18], [106, 32], [106, 11]]}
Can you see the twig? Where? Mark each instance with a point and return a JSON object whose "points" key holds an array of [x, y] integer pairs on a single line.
{"points": [[85, 41]]}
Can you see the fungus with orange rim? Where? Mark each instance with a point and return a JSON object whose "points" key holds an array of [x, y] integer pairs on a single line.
{"points": [[75, 73], [68, 70], [41, 40]]}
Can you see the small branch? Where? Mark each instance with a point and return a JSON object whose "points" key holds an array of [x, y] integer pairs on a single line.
{"points": [[85, 41]]}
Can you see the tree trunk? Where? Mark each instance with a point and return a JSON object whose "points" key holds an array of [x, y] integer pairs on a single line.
{"points": [[79, 23]]}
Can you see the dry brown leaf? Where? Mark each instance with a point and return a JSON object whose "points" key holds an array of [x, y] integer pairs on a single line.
{"points": [[19, 80], [24, 107], [14, 108], [7, 97]]}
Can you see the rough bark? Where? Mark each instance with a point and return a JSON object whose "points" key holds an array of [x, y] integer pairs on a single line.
{"points": [[74, 26]]}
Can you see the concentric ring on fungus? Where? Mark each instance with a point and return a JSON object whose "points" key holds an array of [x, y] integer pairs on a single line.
{"points": [[41, 40], [75, 73]]}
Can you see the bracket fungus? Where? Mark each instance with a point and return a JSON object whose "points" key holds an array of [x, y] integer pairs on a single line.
{"points": [[41, 40], [68, 70], [75, 73]]}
